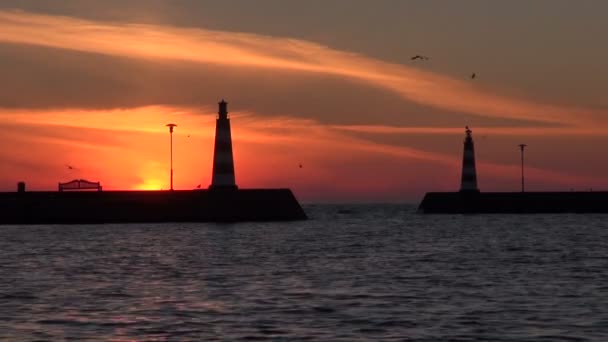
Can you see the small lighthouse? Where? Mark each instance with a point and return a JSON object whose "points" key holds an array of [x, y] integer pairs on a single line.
{"points": [[223, 162], [469, 174]]}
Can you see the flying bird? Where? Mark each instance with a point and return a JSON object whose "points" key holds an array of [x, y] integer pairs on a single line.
{"points": [[188, 135], [300, 166], [198, 186], [473, 75], [70, 167], [424, 58]]}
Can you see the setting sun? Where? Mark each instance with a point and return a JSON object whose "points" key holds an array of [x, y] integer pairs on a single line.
{"points": [[150, 184]]}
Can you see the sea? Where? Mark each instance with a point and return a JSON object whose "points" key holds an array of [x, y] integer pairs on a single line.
{"points": [[361, 272]]}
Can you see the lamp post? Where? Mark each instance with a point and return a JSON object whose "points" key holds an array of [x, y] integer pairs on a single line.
{"points": [[521, 147], [171, 126]]}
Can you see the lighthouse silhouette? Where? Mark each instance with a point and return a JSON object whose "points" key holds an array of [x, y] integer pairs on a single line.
{"points": [[223, 161], [468, 181]]}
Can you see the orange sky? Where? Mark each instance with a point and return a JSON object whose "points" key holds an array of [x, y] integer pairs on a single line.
{"points": [[96, 95]]}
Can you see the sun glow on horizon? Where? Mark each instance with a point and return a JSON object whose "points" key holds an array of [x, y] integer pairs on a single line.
{"points": [[150, 184], [267, 152]]}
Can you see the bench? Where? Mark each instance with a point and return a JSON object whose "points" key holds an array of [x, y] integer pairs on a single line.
{"points": [[79, 184]]}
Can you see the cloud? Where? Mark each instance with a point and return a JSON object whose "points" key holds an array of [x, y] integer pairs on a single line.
{"points": [[500, 131], [249, 51]]}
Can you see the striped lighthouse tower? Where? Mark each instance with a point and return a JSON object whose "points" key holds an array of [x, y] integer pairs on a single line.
{"points": [[469, 174], [223, 162]]}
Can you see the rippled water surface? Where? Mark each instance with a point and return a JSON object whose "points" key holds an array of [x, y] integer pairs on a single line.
{"points": [[364, 272]]}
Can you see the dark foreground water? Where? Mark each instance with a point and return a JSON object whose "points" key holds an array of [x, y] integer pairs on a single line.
{"points": [[350, 273]]}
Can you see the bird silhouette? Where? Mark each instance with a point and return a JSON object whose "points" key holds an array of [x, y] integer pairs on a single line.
{"points": [[70, 167], [473, 75], [198, 186], [300, 166], [424, 58], [188, 136]]}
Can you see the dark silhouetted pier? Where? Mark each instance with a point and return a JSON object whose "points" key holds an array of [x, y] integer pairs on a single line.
{"points": [[469, 200], [222, 202]]}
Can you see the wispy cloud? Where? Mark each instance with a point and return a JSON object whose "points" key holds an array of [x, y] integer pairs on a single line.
{"points": [[256, 51], [149, 119], [506, 130]]}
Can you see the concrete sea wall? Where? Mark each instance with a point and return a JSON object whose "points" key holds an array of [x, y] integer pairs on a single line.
{"points": [[514, 202], [149, 206]]}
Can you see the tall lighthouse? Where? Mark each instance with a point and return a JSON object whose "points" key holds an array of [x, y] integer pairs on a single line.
{"points": [[469, 174], [223, 162]]}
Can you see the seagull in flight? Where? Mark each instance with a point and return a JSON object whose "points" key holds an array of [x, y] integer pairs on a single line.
{"points": [[424, 58]]}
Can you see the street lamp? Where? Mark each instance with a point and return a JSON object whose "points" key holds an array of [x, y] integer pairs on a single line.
{"points": [[521, 147], [171, 125]]}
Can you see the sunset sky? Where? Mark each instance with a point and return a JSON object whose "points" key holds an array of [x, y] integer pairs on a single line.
{"points": [[328, 84]]}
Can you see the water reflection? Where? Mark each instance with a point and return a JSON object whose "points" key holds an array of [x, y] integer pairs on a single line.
{"points": [[360, 272]]}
